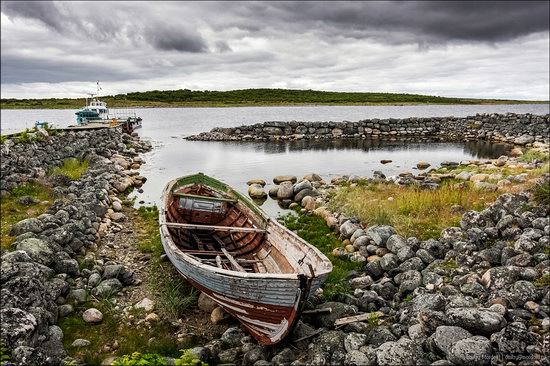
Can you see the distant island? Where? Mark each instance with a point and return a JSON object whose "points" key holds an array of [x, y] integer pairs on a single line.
{"points": [[248, 97]]}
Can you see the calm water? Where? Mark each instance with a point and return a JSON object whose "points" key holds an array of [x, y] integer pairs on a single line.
{"points": [[235, 163]]}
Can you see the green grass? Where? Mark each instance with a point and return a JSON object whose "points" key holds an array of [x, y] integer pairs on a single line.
{"points": [[13, 211], [448, 265], [113, 328], [172, 297], [174, 294], [138, 359], [541, 193], [248, 97], [314, 230], [542, 281], [533, 155], [412, 212], [72, 168]]}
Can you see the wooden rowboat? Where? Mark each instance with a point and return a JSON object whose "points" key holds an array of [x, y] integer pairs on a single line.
{"points": [[225, 246]]}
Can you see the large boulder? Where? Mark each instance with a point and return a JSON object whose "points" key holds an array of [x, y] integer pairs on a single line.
{"points": [[445, 337], [256, 191], [471, 351], [38, 250], [18, 328], [477, 321], [32, 225], [285, 191], [379, 234], [396, 243], [348, 228], [284, 178], [500, 277], [305, 193], [107, 288], [402, 352], [514, 339], [305, 184]]}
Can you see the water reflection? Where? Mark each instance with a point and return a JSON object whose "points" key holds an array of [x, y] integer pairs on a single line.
{"points": [[476, 149]]}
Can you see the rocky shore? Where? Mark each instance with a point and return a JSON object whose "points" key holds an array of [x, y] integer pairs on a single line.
{"points": [[476, 295], [41, 278], [520, 129]]}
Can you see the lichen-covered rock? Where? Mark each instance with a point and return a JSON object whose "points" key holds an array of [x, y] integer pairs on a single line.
{"points": [[395, 243], [379, 234], [514, 339], [38, 250], [348, 228], [402, 352], [232, 336], [355, 358], [354, 341], [471, 351], [446, 337], [477, 321], [107, 288], [361, 282], [18, 327], [32, 225]]}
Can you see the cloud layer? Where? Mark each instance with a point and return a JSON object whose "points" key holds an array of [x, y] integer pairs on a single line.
{"points": [[477, 49]]}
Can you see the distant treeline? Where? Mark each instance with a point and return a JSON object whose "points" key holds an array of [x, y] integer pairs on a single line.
{"points": [[245, 97]]}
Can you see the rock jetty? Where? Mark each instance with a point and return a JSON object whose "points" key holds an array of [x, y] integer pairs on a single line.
{"points": [[41, 278], [520, 129]]}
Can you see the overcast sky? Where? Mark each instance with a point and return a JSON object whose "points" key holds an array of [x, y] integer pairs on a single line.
{"points": [[464, 49]]}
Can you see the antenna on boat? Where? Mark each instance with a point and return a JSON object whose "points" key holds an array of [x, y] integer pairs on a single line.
{"points": [[98, 88]]}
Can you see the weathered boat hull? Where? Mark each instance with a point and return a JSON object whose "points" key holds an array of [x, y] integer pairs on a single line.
{"points": [[267, 304]]}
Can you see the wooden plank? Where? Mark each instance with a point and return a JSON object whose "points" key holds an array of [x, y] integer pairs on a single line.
{"points": [[317, 311], [219, 261], [213, 227], [232, 260], [357, 318], [199, 242], [206, 198]]}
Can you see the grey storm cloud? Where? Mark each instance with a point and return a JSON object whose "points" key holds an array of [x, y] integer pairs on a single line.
{"points": [[422, 21], [175, 38], [454, 48], [66, 19]]}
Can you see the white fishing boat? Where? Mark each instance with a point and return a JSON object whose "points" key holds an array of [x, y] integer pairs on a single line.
{"points": [[96, 111]]}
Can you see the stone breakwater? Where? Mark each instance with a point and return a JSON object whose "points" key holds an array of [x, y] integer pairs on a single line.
{"points": [[41, 278], [521, 129]]}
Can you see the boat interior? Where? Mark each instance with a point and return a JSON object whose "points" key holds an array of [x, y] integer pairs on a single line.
{"points": [[219, 231]]}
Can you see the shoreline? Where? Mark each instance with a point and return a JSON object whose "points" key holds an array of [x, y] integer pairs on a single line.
{"points": [[243, 105]]}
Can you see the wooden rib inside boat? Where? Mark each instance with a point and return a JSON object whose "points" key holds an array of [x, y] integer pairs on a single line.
{"points": [[225, 246]]}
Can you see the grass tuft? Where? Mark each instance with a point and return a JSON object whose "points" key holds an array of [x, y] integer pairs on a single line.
{"points": [[541, 192], [542, 281], [412, 212], [157, 338], [533, 155], [72, 168], [314, 230], [13, 211], [175, 295]]}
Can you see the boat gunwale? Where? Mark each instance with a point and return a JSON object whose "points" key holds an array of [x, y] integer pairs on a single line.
{"points": [[167, 237]]}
